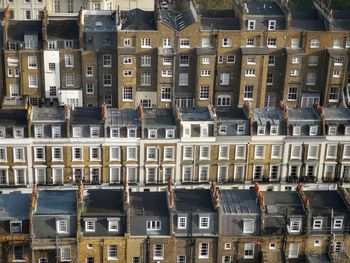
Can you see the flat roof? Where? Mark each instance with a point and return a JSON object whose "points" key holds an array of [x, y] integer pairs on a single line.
{"points": [[237, 201], [48, 114], [159, 117], [122, 117], [283, 202], [14, 205], [148, 204], [56, 202], [325, 201], [194, 200]]}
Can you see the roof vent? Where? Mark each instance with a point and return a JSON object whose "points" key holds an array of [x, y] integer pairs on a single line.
{"points": [[99, 23]]}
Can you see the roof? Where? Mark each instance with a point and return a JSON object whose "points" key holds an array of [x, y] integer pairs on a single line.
{"points": [[103, 202], [148, 204], [63, 29], [17, 29], [137, 19], [13, 117], [318, 258], [336, 52], [219, 19], [159, 117], [236, 201], [14, 205], [341, 20], [304, 114], [264, 8], [283, 202], [295, 51], [195, 114], [86, 115], [337, 114], [56, 202], [205, 51], [177, 21], [122, 117], [102, 21], [306, 20], [264, 116], [48, 114], [230, 114], [324, 201], [194, 200]]}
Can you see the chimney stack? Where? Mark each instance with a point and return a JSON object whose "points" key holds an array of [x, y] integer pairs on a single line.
{"points": [[104, 111], [7, 17], [68, 113], [320, 111], [248, 110], [284, 108]]}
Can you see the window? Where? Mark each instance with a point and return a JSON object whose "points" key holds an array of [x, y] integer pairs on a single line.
{"points": [[271, 42], [146, 61], [274, 130], [18, 154], [272, 60], [226, 259], [269, 80], [251, 61], [205, 61], [314, 43], [68, 43], [337, 43], [293, 250], [240, 152], [261, 130], [70, 79], [77, 132], [220, 59], [184, 61], [165, 93], [39, 131], [188, 153], [272, 24], [203, 173], [167, 73], [107, 79], [112, 252], [51, 45], [20, 176], [127, 60], [250, 73], [182, 222], [181, 259], [248, 92], [248, 226], [167, 61], [225, 79], [166, 42], [346, 152], [276, 151], [77, 153], [184, 43], [16, 227], [39, 153], [204, 152], [53, 91], [205, 73], [296, 152], [89, 225], [57, 153], [223, 152], [127, 42], [45, 260], [203, 250], [168, 153], [146, 43], [151, 153], [272, 245], [258, 172], [131, 153], [313, 130], [317, 224], [18, 132], [127, 93], [32, 62], [107, 60], [52, 66], [114, 153], [331, 151], [94, 132], [338, 61], [338, 223], [251, 25], [3, 155], [204, 222], [239, 173], [183, 79], [145, 79], [18, 253], [152, 133], [249, 250], [292, 93], [90, 88], [226, 42], [187, 173], [295, 43], [158, 252], [94, 154], [61, 226], [230, 59], [153, 225], [295, 72], [69, 60], [27, 15], [296, 60], [250, 42], [33, 81], [338, 246], [65, 253], [317, 243], [295, 226]]}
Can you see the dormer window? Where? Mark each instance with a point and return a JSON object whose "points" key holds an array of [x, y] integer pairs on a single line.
{"points": [[248, 226], [240, 129], [296, 130], [204, 131], [223, 129], [16, 227], [68, 44], [56, 131], [169, 133], [181, 222], [153, 225], [261, 130], [12, 46], [317, 224], [152, 133], [62, 226], [51, 45], [295, 225], [77, 132], [272, 24], [90, 225], [113, 225], [39, 131], [132, 132], [2, 132], [251, 25], [347, 130], [274, 130], [94, 132], [204, 222], [18, 132], [313, 130], [115, 133], [332, 130], [338, 223]]}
